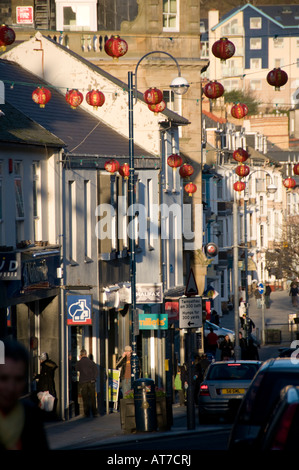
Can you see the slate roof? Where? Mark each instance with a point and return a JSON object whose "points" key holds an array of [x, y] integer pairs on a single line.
{"points": [[17, 128], [81, 132]]}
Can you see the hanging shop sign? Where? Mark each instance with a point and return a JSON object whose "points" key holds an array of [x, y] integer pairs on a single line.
{"points": [[10, 266], [153, 321], [79, 309], [149, 293]]}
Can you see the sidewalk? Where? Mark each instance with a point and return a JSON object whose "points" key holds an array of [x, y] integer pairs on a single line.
{"points": [[81, 432]]}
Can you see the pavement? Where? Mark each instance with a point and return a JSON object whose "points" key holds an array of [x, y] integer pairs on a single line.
{"points": [[82, 433]]}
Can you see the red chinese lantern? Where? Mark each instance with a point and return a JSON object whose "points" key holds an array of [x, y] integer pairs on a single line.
{"points": [[174, 160], [223, 49], [74, 98], [296, 169], [111, 166], [7, 36], [186, 170], [289, 183], [153, 96], [116, 47], [242, 170], [239, 110], [239, 186], [213, 90], [157, 108], [124, 170], [190, 188], [41, 96], [277, 78], [95, 98], [240, 155]]}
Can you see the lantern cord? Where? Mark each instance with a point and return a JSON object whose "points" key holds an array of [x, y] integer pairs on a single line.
{"points": [[86, 137]]}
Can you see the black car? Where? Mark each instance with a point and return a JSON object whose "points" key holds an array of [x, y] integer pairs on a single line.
{"points": [[260, 400], [282, 429]]}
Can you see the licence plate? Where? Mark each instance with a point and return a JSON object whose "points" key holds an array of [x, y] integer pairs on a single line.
{"points": [[233, 391]]}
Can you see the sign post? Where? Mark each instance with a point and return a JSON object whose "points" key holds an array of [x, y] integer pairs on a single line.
{"points": [[190, 318]]}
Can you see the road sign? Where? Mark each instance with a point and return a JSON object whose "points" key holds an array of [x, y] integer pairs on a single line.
{"points": [[190, 311], [191, 287], [261, 288]]}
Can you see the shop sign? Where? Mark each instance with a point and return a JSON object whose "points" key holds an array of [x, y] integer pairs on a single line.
{"points": [[10, 266], [79, 309], [149, 293], [24, 15], [153, 321]]}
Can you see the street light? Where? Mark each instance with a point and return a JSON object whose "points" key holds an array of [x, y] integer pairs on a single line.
{"points": [[271, 189], [180, 86]]}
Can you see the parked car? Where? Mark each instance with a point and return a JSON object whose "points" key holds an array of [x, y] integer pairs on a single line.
{"points": [[260, 400], [223, 387], [282, 429], [220, 332]]}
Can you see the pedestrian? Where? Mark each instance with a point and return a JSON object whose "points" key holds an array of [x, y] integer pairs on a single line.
{"points": [[294, 294], [242, 308], [258, 298], [204, 363], [214, 317], [124, 363], [252, 351], [212, 342], [21, 425], [267, 295], [178, 386], [248, 325], [45, 381], [226, 347], [243, 346], [88, 371]]}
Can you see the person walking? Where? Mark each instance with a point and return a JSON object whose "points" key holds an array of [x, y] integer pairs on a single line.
{"points": [[226, 347], [124, 363], [178, 386], [212, 342], [267, 295], [45, 381], [243, 346], [294, 294], [87, 379], [258, 298]]}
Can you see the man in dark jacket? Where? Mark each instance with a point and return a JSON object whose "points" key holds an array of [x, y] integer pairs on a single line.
{"points": [[88, 373]]}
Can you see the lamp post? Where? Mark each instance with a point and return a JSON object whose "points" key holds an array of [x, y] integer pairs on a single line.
{"points": [[179, 86], [271, 189]]}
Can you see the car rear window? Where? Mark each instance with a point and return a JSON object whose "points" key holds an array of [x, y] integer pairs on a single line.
{"points": [[263, 395], [232, 371]]}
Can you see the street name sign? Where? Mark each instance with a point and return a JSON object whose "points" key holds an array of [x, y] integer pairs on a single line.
{"points": [[190, 312]]}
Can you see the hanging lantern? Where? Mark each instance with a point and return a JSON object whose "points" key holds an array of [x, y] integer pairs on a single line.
{"points": [[157, 108], [213, 90], [239, 110], [186, 170], [240, 155], [239, 186], [74, 98], [124, 170], [174, 160], [95, 98], [41, 96], [190, 188], [277, 78], [116, 47], [153, 96], [111, 165], [7, 36], [242, 170], [223, 49], [289, 183], [296, 169]]}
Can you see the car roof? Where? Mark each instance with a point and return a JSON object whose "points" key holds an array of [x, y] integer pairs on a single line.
{"points": [[243, 361], [280, 363]]}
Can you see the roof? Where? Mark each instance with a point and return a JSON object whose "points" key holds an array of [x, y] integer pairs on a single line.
{"points": [[284, 16], [17, 128], [81, 132]]}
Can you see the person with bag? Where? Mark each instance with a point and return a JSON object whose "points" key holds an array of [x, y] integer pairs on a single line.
{"points": [[45, 387]]}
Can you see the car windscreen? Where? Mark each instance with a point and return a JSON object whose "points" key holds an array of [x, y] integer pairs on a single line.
{"points": [[232, 371], [263, 394]]}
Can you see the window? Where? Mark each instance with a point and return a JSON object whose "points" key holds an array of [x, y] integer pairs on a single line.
{"points": [[278, 63], [230, 28], [72, 221], [256, 63], [19, 201], [170, 15], [255, 43], [278, 42], [87, 221], [261, 235], [255, 84], [76, 18], [36, 194], [255, 23], [204, 47]]}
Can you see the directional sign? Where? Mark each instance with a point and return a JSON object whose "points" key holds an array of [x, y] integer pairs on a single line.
{"points": [[190, 309], [261, 288], [191, 287]]}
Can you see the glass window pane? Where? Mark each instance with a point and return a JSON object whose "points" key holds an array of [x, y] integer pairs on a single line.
{"points": [[173, 6], [165, 6], [172, 21], [19, 198]]}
